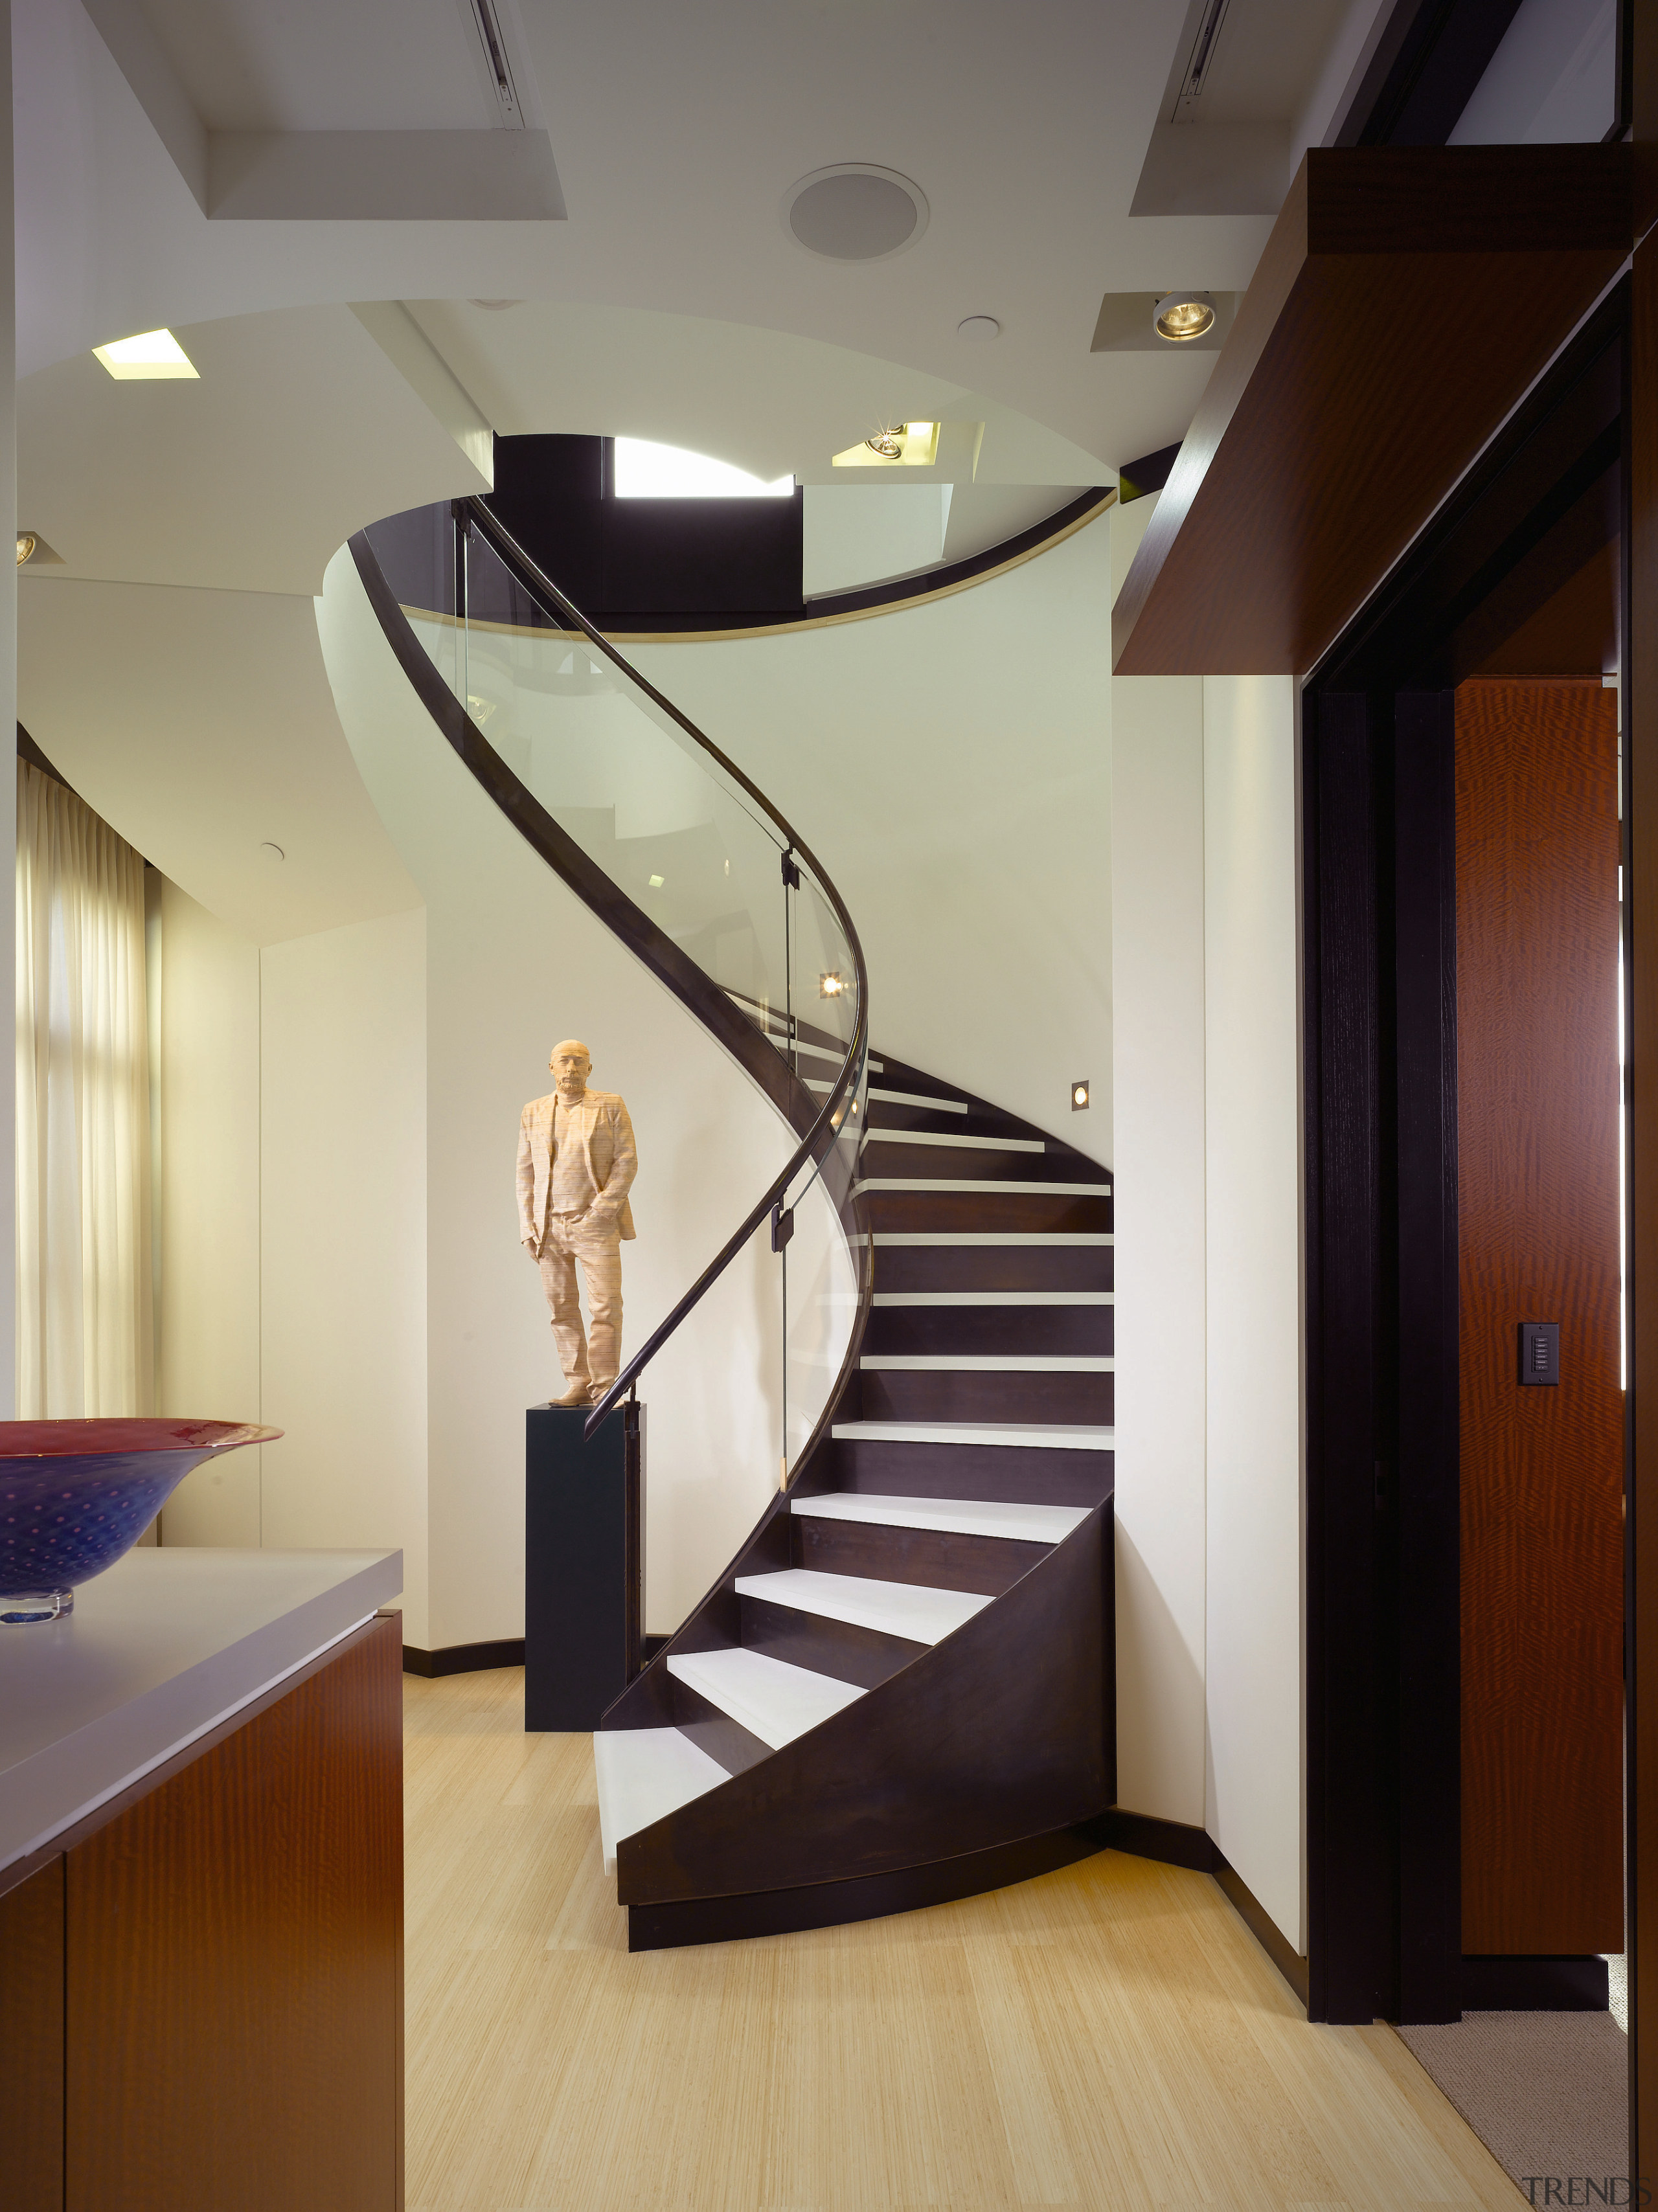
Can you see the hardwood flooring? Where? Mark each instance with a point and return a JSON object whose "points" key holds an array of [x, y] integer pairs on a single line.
{"points": [[1108, 2036]]}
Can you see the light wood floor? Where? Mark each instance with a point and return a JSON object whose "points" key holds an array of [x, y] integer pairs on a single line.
{"points": [[1107, 2036]]}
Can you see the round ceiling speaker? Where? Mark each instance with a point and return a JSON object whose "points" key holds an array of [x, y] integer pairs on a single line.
{"points": [[854, 212]]}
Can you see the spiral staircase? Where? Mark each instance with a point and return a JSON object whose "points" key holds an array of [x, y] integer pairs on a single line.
{"points": [[901, 1689]]}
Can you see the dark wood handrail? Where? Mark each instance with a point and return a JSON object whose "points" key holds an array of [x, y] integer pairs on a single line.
{"points": [[682, 975]]}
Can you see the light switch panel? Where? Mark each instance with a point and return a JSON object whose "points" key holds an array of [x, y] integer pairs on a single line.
{"points": [[1539, 1353]]}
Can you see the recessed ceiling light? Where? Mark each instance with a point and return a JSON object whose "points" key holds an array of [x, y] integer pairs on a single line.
{"points": [[854, 212], [272, 852], [979, 330], [909, 445], [152, 354], [495, 305], [1178, 316]]}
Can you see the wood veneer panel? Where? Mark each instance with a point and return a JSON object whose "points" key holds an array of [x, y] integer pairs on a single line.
{"points": [[1406, 298], [234, 1965], [1541, 1469], [31, 2042]]}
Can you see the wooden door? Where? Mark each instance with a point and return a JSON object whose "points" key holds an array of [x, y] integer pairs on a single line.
{"points": [[1537, 851]]}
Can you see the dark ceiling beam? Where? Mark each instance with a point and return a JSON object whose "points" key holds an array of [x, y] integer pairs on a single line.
{"points": [[1406, 299], [1424, 69]]}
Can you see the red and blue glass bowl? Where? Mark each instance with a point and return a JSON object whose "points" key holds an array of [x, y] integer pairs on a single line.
{"points": [[75, 1495]]}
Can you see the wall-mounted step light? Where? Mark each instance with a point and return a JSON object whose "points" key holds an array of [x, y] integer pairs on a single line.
{"points": [[831, 986], [26, 544], [1079, 1096], [142, 360], [656, 881]]}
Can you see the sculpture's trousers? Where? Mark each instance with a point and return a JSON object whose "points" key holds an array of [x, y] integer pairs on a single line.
{"points": [[594, 1359]]}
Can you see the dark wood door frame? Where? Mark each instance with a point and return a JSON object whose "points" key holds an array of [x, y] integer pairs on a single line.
{"points": [[1380, 1076]]}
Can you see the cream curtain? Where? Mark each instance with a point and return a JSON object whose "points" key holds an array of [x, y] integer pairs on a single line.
{"points": [[85, 1326]]}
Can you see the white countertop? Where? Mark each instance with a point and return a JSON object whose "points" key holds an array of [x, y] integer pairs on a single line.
{"points": [[161, 1648]]}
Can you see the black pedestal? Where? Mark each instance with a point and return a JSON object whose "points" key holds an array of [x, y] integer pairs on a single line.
{"points": [[583, 1563]]}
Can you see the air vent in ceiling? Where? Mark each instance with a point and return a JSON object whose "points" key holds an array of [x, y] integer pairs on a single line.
{"points": [[1199, 61], [492, 51]]}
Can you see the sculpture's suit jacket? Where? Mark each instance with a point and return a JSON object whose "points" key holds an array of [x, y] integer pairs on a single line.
{"points": [[607, 1137]]}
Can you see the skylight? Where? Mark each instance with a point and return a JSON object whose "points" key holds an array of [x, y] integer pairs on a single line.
{"points": [[151, 354], [646, 470]]}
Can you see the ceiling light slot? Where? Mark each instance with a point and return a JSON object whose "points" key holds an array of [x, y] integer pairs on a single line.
{"points": [[492, 51], [1199, 61]]}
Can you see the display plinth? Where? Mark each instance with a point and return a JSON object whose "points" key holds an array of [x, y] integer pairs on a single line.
{"points": [[583, 1563]]}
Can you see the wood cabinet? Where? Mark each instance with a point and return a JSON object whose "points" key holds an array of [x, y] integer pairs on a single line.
{"points": [[203, 1994]]}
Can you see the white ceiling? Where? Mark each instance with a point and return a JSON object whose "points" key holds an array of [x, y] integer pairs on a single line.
{"points": [[298, 431], [676, 128], [170, 666], [200, 724], [319, 65]]}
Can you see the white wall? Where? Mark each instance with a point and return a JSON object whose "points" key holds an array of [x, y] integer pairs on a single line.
{"points": [[7, 703], [1255, 1796], [207, 1217], [1157, 990], [950, 766], [1205, 968], [292, 1230], [514, 962], [343, 1243]]}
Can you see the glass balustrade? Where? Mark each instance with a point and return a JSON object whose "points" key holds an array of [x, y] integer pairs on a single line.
{"points": [[704, 865]]}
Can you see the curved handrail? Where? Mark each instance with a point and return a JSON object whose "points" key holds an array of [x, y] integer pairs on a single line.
{"points": [[825, 1131]]}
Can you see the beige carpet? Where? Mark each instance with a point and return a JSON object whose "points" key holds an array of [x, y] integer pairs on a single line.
{"points": [[1547, 2092]]}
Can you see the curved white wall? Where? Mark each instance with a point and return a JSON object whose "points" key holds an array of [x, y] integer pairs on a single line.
{"points": [[950, 766], [514, 962]]}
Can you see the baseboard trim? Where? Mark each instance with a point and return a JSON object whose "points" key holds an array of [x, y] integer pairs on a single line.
{"points": [[464, 1658], [1172, 1842], [672, 1925], [1263, 1927], [1175, 1843], [1503, 1983]]}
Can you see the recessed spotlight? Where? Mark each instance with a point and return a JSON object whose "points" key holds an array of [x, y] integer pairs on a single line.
{"points": [[1181, 316], [906, 445], [979, 330], [272, 852], [1079, 1096], [831, 986], [27, 542], [151, 355], [854, 212]]}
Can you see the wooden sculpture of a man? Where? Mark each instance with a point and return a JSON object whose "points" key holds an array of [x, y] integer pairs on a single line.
{"points": [[576, 1160]]}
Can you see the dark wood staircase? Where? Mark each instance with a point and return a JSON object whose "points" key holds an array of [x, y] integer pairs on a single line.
{"points": [[901, 1690]]}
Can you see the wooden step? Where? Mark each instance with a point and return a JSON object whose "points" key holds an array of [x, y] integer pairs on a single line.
{"points": [[962, 1516], [905, 1458], [851, 1626], [1001, 1388], [987, 1322], [906, 1202], [644, 1774], [926, 1157], [947, 1260], [767, 1697], [942, 1558]]}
